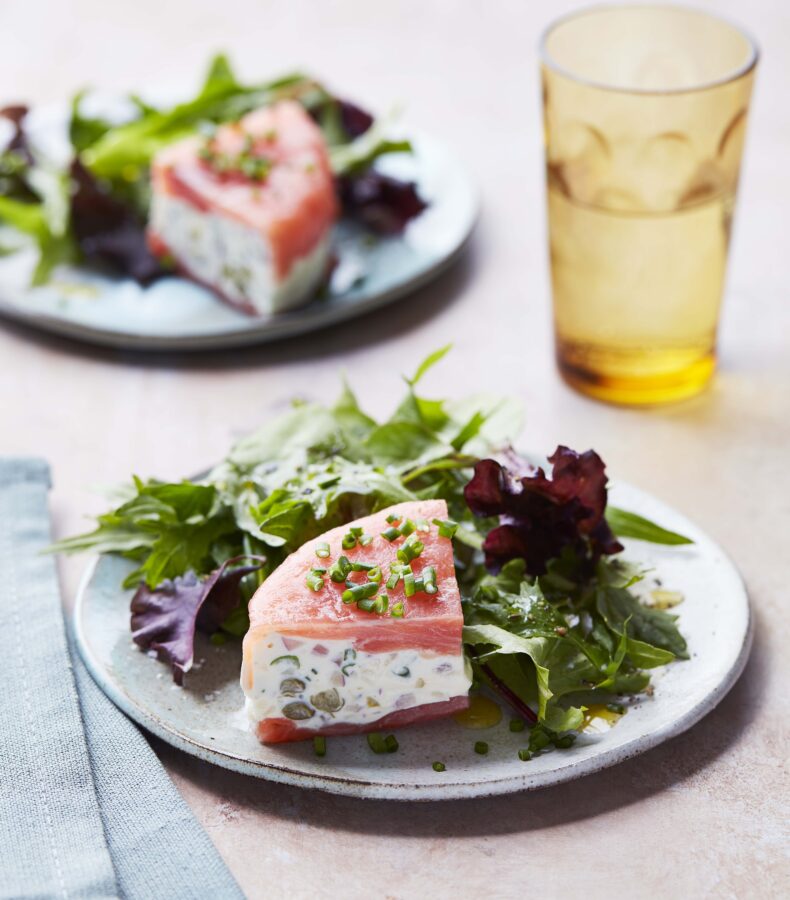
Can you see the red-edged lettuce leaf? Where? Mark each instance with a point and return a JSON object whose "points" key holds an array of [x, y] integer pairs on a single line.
{"points": [[109, 230], [16, 114], [382, 203], [541, 516], [356, 121], [16, 158], [165, 618]]}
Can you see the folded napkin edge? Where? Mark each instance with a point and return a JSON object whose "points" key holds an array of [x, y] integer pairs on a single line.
{"points": [[16, 469]]}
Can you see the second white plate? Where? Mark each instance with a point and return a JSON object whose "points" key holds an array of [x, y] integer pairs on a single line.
{"points": [[176, 314]]}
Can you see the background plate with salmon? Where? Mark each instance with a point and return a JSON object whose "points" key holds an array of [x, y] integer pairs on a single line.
{"points": [[175, 314], [206, 718]]}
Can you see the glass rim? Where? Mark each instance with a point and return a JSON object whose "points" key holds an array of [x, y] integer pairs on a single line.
{"points": [[547, 60]]}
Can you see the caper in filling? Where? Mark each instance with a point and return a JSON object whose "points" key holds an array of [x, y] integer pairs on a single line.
{"points": [[327, 701], [291, 687], [298, 710]]}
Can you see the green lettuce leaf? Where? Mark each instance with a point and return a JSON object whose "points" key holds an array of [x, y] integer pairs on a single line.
{"points": [[572, 637], [630, 525], [310, 469]]}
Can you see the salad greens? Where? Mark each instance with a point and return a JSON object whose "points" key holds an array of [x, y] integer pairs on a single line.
{"points": [[553, 616], [101, 197]]}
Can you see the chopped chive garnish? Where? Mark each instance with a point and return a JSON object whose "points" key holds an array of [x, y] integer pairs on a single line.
{"points": [[429, 580], [407, 528], [423, 525], [365, 539], [319, 745], [338, 570], [538, 739], [377, 742], [391, 743], [409, 584], [438, 767], [374, 574], [516, 725], [481, 747], [447, 527], [525, 755], [391, 534], [397, 610], [293, 659], [349, 541], [356, 531], [361, 567], [315, 579], [322, 550], [346, 669], [410, 550], [392, 518], [377, 605], [392, 581], [358, 592]]}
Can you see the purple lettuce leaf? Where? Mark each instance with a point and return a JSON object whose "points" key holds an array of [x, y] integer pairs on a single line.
{"points": [[540, 516], [109, 230], [16, 157], [165, 618], [356, 121], [382, 203], [16, 116]]}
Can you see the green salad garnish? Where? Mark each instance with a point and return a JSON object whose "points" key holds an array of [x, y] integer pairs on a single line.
{"points": [[554, 620], [92, 208]]}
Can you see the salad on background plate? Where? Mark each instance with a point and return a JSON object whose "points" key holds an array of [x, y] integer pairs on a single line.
{"points": [[244, 212]]}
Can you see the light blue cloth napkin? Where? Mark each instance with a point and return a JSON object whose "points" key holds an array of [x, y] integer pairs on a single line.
{"points": [[86, 809]]}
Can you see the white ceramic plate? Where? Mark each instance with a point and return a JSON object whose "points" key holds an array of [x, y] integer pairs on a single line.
{"points": [[205, 717], [175, 314]]}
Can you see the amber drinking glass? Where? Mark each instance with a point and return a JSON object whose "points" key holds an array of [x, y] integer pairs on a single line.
{"points": [[645, 111]]}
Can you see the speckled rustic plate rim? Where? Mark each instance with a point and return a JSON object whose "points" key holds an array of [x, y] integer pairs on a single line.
{"points": [[563, 766]]}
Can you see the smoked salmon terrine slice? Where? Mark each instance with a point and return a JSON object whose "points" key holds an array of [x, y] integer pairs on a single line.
{"points": [[359, 630], [248, 211]]}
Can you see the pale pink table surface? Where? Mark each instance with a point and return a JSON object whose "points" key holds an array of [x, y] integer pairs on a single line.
{"points": [[701, 816]]}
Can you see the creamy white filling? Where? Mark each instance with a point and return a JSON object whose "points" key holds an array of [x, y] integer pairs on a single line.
{"points": [[233, 257], [318, 683]]}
